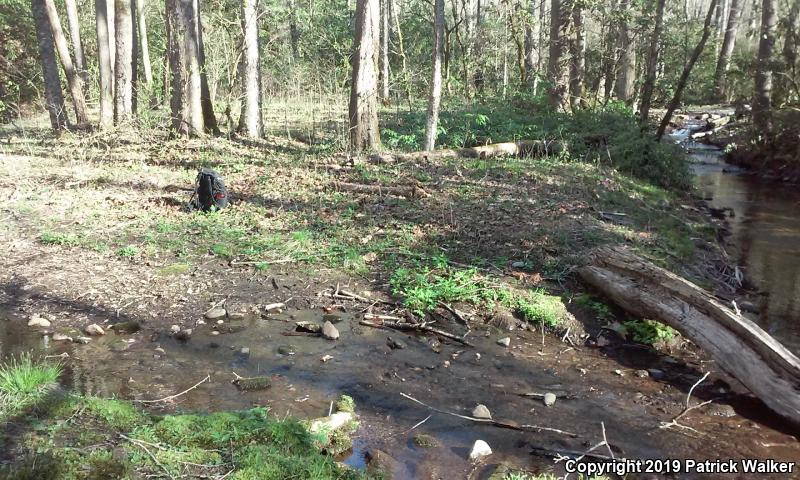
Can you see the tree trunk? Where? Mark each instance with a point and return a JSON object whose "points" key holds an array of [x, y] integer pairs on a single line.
{"points": [[54, 99], [610, 58], [74, 81], [294, 31], [363, 111], [184, 64], [687, 70], [728, 43], [209, 119], [560, 26], [792, 40], [401, 50], [652, 63], [144, 51], [436, 81], [250, 119], [166, 77], [104, 64], [739, 346], [531, 49], [123, 62], [385, 51], [762, 101], [577, 59], [77, 46], [112, 35], [626, 73]]}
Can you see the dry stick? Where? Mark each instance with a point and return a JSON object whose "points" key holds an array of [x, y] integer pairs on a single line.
{"points": [[143, 447], [172, 397], [416, 327], [674, 422], [496, 423]]}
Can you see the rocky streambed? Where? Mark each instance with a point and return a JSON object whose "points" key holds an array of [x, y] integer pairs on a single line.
{"points": [[543, 396]]}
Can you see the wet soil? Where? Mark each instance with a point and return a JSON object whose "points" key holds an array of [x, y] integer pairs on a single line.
{"points": [[599, 385]]}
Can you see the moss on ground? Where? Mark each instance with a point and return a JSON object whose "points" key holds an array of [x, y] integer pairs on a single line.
{"points": [[79, 437]]}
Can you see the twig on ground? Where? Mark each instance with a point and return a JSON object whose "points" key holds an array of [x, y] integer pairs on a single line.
{"points": [[172, 397], [674, 421], [689, 395], [496, 423], [235, 263], [141, 445], [454, 312], [420, 327]]}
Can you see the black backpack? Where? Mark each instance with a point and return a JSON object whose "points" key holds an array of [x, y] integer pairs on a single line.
{"points": [[209, 192]]}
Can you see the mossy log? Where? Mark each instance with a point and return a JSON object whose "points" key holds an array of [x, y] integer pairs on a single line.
{"points": [[520, 148], [739, 346]]}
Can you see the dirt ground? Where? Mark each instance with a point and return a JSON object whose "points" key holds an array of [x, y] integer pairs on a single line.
{"points": [[95, 233]]}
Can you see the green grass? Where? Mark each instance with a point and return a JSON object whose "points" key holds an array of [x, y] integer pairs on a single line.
{"points": [[78, 437], [649, 332], [424, 287], [57, 238], [23, 383]]}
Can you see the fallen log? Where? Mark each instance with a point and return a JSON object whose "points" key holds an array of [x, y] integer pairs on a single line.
{"points": [[520, 148], [738, 345]]}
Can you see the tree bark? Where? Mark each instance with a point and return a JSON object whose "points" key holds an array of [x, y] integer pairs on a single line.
{"points": [[728, 43], [652, 63], [294, 31], [104, 64], [792, 40], [184, 64], [74, 81], [112, 35], [385, 51], [610, 58], [144, 51], [77, 46], [209, 119], [436, 81], [54, 98], [402, 52], [762, 99], [363, 110], [739, 346], [560, 26], [531, 49], [577, 59], [626, 72], [250, 119], [687, 70], [123, 62]]}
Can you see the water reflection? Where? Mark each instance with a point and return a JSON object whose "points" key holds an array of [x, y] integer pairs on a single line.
{"points": [[765, 239]]}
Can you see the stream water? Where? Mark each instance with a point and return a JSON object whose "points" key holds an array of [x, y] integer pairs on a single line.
{"points": [[764, 221]]}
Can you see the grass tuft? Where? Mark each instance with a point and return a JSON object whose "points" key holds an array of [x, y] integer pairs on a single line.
{"points": [[23, 383]]}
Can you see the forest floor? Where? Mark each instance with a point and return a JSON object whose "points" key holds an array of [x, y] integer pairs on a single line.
{"points": [[96, 231]]}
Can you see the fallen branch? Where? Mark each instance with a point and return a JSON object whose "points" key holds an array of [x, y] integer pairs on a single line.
{"points": [[417, 327], [153, 457], [674, 421], [496, 423], [172, 397], [410, 191]]}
